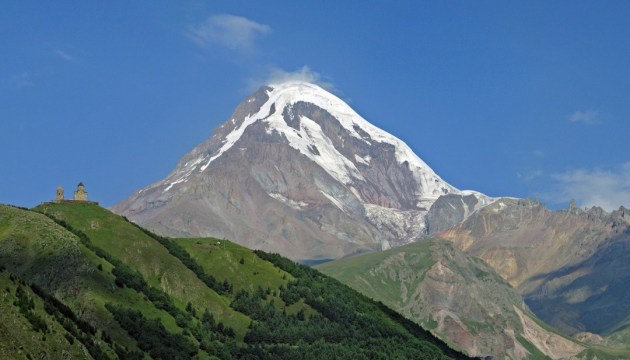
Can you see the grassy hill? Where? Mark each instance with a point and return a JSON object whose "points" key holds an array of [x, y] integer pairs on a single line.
{"points": [[81, 282]]}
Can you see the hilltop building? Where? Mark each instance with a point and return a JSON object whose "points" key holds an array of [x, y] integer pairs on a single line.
{"points": [[59, 197], [80, 195]]}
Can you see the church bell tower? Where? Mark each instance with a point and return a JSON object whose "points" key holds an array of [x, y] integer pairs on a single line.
{"points": [[59, 197]]}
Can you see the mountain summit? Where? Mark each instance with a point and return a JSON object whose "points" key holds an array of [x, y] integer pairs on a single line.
{"points": [[295, 170]]}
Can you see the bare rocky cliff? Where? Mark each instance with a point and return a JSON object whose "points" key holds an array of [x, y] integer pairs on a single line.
{"points": [[571, 266]]}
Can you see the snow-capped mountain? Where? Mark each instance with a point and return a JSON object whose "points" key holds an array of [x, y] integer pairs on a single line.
{"points": [[296, 171]]}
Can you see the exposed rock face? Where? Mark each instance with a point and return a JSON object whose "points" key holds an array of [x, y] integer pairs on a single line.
{"points": [[550, 344], [456, 295], [297, 171], [448, 211], [571, 266], [591, 295]]}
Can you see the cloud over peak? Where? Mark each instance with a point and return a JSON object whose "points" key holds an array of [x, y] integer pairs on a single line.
{"points": [[305, 74], [278, 76], [236, 33]]}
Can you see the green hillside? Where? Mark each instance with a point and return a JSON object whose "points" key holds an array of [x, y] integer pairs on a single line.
{"points": [[81, 282], [26, 330]]}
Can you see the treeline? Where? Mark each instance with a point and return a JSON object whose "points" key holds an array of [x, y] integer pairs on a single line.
{"points": [[348, 349], [344, 324], [80, 329], [27, 306], [359, 317], [75, 327], [126, 276], [213, 338], [278, 335], [223, 288], [254, 305], [151, 335]]}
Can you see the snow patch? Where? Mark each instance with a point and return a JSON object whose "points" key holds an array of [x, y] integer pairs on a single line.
{"points": [[331, 160], [308, 137], [363, 160], [312, 142], [291, 92], [465, 207], [356, 192], [385, 245], [231, 139], [336, 202], [500, 208], [187, 171], [341, 168], [180, 180], [298, 205], [404, 224]]}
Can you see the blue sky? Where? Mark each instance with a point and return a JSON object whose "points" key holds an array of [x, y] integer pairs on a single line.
{"points": [[524, 99]]}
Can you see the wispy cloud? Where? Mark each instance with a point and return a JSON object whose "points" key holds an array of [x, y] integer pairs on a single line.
{"points": [[304, 73], [278, 76], [607, 188], [22, 80], [589, 117], [65, 56], [538, 153], [529, 176], [233, 32]]}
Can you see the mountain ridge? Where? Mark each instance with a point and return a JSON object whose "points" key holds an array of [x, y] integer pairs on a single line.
{"points": [[296, 171], [457, 296], [316, 165], [567, 264]]}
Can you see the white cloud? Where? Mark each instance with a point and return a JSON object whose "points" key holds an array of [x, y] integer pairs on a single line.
{"points": [[233, 32], [23, 80], [538, 153], [305, 73], [608, 189], [529, 176], [65, 56], [589, 117]]}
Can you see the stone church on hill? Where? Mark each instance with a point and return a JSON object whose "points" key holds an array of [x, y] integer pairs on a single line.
{"points": [[80, 195]]}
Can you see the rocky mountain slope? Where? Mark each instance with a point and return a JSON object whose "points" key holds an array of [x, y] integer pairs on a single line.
{"points": [[296, 171], [92, 285], [457, 296], [571, 266]]}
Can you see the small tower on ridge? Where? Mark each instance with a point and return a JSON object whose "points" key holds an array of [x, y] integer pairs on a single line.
{"points": [[59, 197]]}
